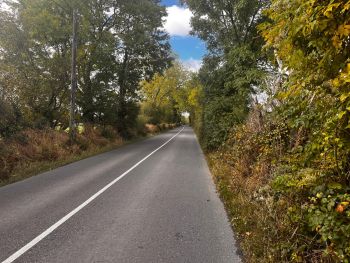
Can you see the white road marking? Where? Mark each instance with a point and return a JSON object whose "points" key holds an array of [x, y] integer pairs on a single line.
{"points": [[48, 231]]}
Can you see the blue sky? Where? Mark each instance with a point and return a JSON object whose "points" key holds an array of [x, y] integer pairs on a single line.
{"points": [[189, 49], [170, 2]]}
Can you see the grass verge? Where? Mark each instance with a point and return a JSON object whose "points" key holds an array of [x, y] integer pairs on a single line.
{"points": [[33, 152], [27, 170]]}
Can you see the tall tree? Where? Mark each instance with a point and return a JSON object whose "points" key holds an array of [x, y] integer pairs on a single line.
{"points": [[165, 96], [234, 64], [142, 51], [35, 43], [119, 45]]}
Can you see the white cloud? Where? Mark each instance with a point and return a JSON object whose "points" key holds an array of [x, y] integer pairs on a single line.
{"points": [[4, 6], [192, 64], [178, 21]]}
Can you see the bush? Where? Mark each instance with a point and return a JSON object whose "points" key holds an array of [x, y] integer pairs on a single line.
{"points": [[82, 142], [283, 209], [141, 125], [152, 129], [109, 132], [4, 169], [11, 120]]}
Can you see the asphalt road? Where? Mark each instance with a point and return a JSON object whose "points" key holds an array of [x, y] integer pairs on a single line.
{"points": [[151, 201]]}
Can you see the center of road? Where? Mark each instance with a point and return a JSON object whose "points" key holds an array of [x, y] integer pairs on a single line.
{"points": [[48, 231]]}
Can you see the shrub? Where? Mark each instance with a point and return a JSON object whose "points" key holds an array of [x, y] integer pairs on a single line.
{"points": [[140, 128], [82, 142], [283, 208], [152, 129], [109, 132]]}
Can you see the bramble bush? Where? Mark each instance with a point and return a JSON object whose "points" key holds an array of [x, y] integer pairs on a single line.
{"points": [[311, 39], [283, 209]]}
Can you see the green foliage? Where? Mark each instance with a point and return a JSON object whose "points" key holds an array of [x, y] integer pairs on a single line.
{"points": [[328, 214], [316, 53], [311, 41], [194, 105], [11, 119], [287, 164], [119, 45], [243, 168], [165, 97], [231, 69]]}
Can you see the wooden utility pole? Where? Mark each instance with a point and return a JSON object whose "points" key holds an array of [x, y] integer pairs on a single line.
{"points": [[72, 124]]}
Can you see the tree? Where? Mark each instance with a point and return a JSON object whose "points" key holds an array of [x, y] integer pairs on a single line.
{"points": [[142, 51], [165, 96], [119, 45], [35, 43], [233, 67]]}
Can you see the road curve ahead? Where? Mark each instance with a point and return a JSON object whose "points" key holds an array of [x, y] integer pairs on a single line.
{"points": [[151, 201]]}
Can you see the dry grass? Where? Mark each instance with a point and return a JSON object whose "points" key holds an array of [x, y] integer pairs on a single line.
{"points": [[256, 221], [33, 151], [152, 129], [243, 169]]}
